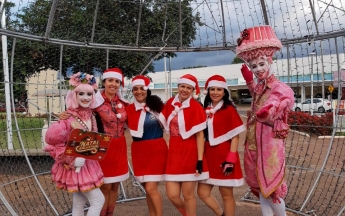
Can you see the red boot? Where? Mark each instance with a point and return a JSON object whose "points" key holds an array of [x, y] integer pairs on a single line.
{"points": [[103, 212], [110, 210]]}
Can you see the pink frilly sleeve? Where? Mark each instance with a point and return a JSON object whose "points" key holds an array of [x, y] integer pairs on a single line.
{"points": [[282, 99], [56, 138]]}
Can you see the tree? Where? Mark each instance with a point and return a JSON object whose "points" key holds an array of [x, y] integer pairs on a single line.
{"points": [[116, 23], [191, 67], [237, 60]]}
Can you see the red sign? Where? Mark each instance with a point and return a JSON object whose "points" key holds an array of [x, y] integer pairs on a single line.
{"points": [[87, 144]]}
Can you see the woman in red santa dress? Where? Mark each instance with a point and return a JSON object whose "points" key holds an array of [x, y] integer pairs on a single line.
{"points": [[222, 137], [111, 109], [184, 119], [111, 117], [149, 149]]}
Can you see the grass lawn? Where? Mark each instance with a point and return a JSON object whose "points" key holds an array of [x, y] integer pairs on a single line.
{"points": [[30, 131]]}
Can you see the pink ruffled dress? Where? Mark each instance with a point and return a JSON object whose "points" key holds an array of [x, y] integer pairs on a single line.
{"points": [[63, 171]]}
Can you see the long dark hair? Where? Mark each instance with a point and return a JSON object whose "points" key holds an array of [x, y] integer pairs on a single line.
{"points": [[154, 102], [226, 99]]}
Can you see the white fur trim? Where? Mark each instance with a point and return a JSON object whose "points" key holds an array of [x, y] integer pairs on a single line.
{"points": [[147, 109], [118, 115], [224, 182], [163, 121], [120, 178], [187, 177], [145, 88], [229, 135], [99, 100], [195, 96], [215, 83], [111, 74], [140, 130], [205, 92], [119, 106], [150, 178], [186, 81], [138, 82]]}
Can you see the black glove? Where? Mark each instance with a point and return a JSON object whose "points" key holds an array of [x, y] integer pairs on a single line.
{"points": [[199, 166], [227, 168]]}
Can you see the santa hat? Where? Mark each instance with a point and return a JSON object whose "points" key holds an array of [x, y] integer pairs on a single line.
{"points": [[190, 80], [114, 73], [215, 81], [257, 41], [141, 80]]}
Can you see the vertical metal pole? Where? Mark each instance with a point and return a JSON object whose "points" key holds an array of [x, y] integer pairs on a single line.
{"points": [[223, 24], [6, 80], [94, 21], [314, 16], [322, 72], [107, 60], [180, 21], [170, 84], [312, 84], [139, 21], [264, 11], [288, 63], [60, 75], [165, 78]]}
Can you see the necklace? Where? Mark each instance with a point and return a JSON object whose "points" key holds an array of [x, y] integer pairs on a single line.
{"points": [[81, 122]]}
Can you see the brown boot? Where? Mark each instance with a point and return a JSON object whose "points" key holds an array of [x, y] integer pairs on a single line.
{"points": [[103, 212], [110, 210]]}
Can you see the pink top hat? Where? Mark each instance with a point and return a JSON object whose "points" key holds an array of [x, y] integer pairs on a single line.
{"points": [[257, 41]]}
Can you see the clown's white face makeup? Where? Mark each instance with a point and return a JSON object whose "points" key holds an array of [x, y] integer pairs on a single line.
{"points": [[260, 67], [84, 98]]}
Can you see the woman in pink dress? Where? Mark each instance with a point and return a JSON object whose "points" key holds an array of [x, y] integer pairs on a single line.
{"points": [[222, 138], [184, 118], [149, 149], [85, 183], [267, 129]]}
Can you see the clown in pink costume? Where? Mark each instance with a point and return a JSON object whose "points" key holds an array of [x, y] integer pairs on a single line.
{"points": [[267, 129], [184, 119], [85, 183], [221, 142]]}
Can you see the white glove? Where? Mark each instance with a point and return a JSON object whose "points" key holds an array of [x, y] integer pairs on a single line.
{"points": [[79, 162]]}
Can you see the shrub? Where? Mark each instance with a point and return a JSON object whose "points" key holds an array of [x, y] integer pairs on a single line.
{"points": [[312, 124]]}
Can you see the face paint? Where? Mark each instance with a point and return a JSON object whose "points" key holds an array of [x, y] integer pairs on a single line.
{"points": [[84, 99], [260, 67]]}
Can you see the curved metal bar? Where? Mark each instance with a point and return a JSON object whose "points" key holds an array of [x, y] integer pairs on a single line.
{"points": [[20, 137], [331, 141]]}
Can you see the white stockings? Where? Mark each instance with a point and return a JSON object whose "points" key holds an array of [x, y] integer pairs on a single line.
{"points": [[95, 198], [269, 208]]}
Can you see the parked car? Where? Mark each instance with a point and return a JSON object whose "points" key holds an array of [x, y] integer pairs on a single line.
{"points": [[246, 99], [319, 105]]}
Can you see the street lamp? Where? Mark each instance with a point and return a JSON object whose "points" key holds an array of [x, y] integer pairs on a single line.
{"points": [[311, 83]]}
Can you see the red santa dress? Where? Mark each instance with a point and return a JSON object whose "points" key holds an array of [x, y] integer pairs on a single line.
{"points": [[149, 149], [223, 123], [182, 121], [113, 115]]}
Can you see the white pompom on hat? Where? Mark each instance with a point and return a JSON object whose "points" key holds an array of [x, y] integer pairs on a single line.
{"points": [[215, 81], [141, 80]]}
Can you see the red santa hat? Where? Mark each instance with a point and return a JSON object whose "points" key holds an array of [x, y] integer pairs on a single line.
{"points": [[190, 80], [141, 80], [114, 73], [215, 81], [257, 41]]}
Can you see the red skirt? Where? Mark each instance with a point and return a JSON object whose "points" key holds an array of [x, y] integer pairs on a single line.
{"points": [[182, 159], [115, 164], [215, 156], [149, 159]]}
